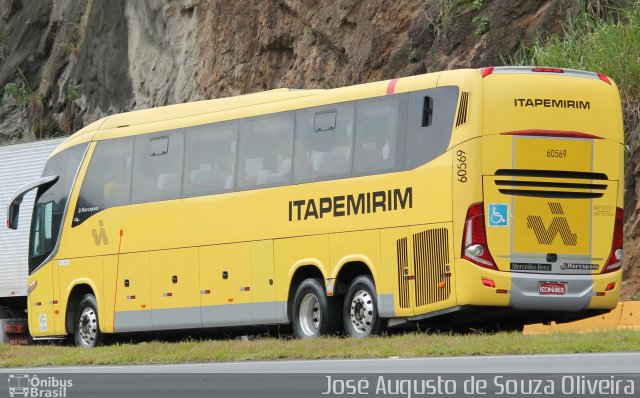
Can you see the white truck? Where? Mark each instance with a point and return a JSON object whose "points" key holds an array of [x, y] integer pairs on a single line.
{"points": [[19, 165]]}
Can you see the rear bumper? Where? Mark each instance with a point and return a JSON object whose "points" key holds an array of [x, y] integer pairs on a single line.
{"points": [[580, 291], [520, 291]]}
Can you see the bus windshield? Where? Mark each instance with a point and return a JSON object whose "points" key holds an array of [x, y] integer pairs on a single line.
{"points": [[50, 204]]}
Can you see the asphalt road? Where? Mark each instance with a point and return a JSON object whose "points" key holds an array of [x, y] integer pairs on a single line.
{"points": [[610, 363], [554, 375]]}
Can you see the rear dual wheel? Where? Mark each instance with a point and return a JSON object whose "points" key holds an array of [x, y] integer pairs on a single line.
{"points": [[314, 314], [360, 309]]}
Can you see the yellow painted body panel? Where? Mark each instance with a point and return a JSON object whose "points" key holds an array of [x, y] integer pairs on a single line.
{"points": [[40, 302], [296, 253], [470, 289], [241, 248], [78, 271], [174, 278], [134, 268], [359, 246], [235, 261], [263, 287]]}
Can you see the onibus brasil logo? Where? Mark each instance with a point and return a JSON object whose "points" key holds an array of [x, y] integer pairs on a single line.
{"points": [[21, 385]]}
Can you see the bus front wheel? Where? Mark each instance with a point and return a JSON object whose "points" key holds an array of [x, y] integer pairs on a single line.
{"points": [[360, 310], [87, 330], [314, 314]]}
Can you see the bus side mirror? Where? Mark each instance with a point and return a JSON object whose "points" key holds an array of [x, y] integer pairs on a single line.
{"points": [[13, 210], [12, 214]]}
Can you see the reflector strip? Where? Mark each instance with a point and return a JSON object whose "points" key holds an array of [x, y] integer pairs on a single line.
{"points": [[553, 133], [391, 88], [488, 282], [548, 70]]}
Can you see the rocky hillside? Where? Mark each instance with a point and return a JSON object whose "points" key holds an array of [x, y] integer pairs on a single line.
{"points": [[64, 63], [81, 59]]}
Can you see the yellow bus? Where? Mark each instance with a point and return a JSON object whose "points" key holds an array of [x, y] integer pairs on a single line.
{"points": [[348, 209]]}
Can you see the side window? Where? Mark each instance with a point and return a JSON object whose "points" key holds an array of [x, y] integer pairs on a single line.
{"points": [[107, 182], [210, 159], [380, 135], [324, 142], [429, 124], [266, 145], [157, 166], [42, 231]]}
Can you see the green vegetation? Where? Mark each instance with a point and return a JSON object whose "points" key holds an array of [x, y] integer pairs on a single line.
{"points": [[405, 345], [478, 4], [601, 39], [20, 95], [73, 90], [78, 32], [483, 24]]}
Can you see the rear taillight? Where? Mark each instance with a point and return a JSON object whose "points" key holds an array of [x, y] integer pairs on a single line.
{"points": [[615, 257], [474, 238], [15, 328], [547, 70]]}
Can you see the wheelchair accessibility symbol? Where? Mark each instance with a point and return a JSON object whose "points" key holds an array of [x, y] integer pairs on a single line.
{"points": [[498, 214]]}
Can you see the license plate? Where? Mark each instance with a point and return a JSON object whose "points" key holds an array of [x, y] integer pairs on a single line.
{"points": [[552, 288], [19, 341]]}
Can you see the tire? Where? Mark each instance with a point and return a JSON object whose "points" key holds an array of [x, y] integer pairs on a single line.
{"points": [[314, 314], [360, 309], [86, 330]]}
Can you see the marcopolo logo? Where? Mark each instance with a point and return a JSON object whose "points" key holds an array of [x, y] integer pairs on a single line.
{"points": [[22, 385]]}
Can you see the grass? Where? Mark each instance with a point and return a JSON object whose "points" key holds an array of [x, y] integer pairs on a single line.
{"points": [[263, 348]]}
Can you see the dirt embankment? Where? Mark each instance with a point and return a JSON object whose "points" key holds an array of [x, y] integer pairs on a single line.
{"points": [[79, 60]]}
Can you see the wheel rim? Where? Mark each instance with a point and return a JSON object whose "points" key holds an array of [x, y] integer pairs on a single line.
{"points": [[310, 314], [362, 312], [88, 326]]}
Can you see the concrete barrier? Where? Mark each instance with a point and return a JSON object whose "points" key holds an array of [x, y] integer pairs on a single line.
{"points": [[625, 316]]}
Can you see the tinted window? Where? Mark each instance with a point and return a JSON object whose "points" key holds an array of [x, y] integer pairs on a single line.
{"points": [[107, 182], [324, 141], [380, 130], [51, 203], [211, 159], [429, 124], [266, 144], [157, 166]]}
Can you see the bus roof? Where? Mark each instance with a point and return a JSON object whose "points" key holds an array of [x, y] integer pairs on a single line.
{"points": [[247, 105]]}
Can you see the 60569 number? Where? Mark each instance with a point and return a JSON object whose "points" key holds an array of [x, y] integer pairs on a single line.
{"points": [[557, 153], [462, 165]]}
